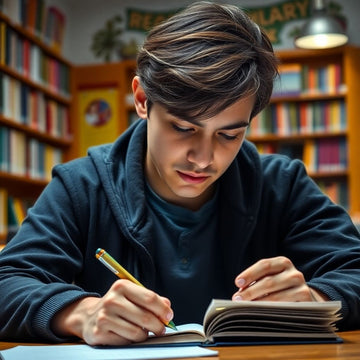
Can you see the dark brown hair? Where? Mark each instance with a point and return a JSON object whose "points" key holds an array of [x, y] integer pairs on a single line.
{"points": [[205, 58]]}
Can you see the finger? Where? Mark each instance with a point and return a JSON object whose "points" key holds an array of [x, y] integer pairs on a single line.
{"points": [[143, 307], [113, 330], [290, 279], [301, 293], [261, 269], [166, 301], [150, 301], [124, 320]]}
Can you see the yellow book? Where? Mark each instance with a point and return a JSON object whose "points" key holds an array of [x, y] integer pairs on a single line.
{"points": [[2, 42], [331, 79], [334, 115], [309, 157], [49, 161], [3, 212], [20, 212]]}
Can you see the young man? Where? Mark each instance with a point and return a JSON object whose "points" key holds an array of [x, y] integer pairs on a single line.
{"points": [[182, 201]]}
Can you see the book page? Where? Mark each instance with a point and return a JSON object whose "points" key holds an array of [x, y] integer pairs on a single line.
{"points": [[187, 333], [229, 319]]}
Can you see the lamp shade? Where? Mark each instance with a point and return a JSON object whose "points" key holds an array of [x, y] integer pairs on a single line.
{"points": [[321, 31]]}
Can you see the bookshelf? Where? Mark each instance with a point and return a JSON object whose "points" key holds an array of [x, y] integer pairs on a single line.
{"points": [[317, 119], [35, 100]]}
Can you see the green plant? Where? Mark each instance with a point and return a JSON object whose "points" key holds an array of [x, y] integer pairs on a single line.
{"points": [[106, 41]]}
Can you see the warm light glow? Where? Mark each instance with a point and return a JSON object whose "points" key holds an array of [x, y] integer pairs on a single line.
{"points": [[322, 30], [321, 41]]}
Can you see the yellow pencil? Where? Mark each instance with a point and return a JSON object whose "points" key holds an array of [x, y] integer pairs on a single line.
{"points": [[119, 271]]}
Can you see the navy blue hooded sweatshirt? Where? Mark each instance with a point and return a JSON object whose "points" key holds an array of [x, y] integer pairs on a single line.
{"points": [[267, 207]]}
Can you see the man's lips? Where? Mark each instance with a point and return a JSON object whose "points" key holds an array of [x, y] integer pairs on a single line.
{"points": [[192, 178]]}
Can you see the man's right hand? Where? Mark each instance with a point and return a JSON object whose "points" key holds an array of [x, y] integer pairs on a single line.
{"points": [[125, 314]]}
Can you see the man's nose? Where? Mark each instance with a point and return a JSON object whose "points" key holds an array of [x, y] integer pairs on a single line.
{"points": [[202, 152]]}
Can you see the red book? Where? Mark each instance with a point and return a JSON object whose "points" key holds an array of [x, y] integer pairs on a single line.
{"points": [[55, 27], [49, 117], [31, 10], [26, 58], [34, 110]]}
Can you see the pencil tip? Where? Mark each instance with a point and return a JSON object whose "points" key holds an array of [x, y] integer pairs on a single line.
{"points": [[171, 325]]}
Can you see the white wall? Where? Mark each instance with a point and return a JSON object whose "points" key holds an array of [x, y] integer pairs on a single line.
{"points": [[85, 17]]}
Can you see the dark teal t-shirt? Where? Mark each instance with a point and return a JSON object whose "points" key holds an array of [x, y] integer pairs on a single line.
{"points": [[187, 256]]}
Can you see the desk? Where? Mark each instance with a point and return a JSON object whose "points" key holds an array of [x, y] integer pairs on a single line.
{"points": [[350, 349]]}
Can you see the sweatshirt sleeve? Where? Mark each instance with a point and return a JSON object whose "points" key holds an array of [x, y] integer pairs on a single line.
{"points": [[321, 240], [39, 265]]}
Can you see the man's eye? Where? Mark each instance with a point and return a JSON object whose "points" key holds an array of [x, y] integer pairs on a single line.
{"points": [[181, 129], [228, 137]]}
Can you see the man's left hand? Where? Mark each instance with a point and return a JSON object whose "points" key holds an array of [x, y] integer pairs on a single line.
{"points": [[274, 279]]}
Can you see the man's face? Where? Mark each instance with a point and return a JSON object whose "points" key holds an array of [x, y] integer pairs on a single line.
{"points": [[184, 159]]}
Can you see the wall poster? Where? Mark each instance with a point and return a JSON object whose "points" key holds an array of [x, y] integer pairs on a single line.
{"points": [[98, 112]]}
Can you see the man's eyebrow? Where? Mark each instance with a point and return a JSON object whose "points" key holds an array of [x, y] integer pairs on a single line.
{"points": [[236, 125]]}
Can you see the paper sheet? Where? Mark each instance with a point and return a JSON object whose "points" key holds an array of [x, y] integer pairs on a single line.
{"points": [[66, 352]]}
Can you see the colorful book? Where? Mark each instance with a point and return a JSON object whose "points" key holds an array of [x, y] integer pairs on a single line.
{"points": [[289, 82]]}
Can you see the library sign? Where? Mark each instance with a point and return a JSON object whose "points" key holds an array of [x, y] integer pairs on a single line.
{"points": [[142, 20], [271, 18]]}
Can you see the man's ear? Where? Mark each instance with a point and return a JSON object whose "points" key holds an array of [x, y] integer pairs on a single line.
{"points": [[139, 98]]}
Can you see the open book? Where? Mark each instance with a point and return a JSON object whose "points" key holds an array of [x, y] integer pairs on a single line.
{"points": [[258, 322]]}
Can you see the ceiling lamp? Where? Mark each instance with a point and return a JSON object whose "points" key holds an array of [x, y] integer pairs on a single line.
{"points": [[321, 31]]}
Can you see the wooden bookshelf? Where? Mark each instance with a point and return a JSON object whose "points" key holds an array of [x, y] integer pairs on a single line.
{"points": [[349, 59], [49, 87]]}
